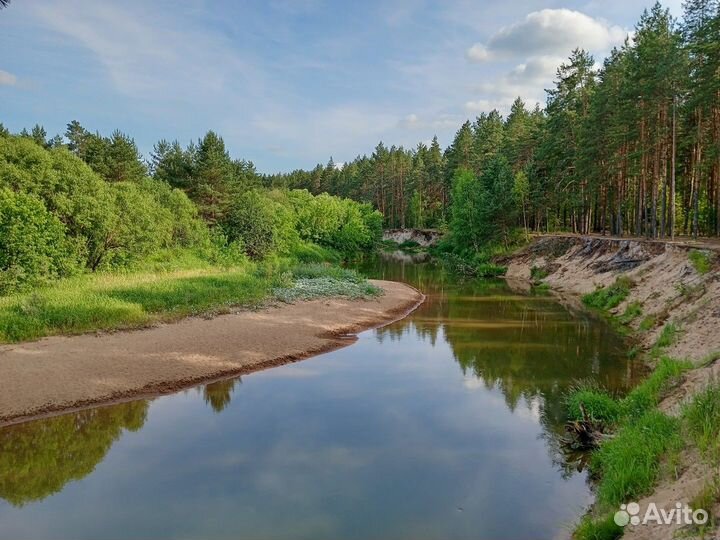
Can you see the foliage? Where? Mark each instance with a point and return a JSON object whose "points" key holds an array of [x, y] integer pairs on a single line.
{"points": [[538, 274], [104, 301], [259, 223], [33, 246]]}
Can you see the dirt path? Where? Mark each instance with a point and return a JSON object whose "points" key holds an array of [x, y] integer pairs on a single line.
{"points": [[62, 373]]}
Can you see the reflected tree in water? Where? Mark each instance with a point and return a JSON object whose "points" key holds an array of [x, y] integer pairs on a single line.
{"points": [[38, 458], [219, 394]]}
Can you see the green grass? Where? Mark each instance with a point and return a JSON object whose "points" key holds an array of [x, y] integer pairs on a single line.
{"points": [[701, 260], [598, 529], [667, 337], [319, 270], [538, 274], [602, 406], [708, 497], [632, 312], [648, 394], [702, 418], [648, 323], [599, 404], [107, 301], [307, 289], [629, 464], [610, 297]]}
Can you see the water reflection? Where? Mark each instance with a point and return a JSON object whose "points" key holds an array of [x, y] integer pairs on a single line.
{"points": [[443, 425], [219, 394], [38, 458]]}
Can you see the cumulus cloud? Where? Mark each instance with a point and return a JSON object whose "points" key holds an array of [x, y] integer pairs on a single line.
{"points": [[549, 32], [7, 79], [534, 70]]}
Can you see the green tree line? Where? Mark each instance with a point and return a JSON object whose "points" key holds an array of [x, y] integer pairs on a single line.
{"points": [[631, 148], [84, 203]]}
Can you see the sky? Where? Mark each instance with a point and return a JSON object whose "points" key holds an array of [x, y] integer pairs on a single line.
{"points": [[290, 83]]}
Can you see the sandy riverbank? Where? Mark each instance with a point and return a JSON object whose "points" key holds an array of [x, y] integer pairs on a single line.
{"points": [[668, 289], [64, 373]]}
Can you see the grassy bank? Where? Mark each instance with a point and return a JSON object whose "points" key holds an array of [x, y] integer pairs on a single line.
{"points": [[167, 291], [642, 444]]}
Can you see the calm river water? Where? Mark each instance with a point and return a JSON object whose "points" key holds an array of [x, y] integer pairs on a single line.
{"points": [[444, 425]]}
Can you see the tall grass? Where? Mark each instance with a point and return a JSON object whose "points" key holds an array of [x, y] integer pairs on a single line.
{"points": [[629, 464], [667, 337], [601, 406], [108, 301], [610, 297], [702, 417]]}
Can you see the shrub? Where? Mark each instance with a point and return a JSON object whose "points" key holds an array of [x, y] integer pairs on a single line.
{"points": [[33, 246], [251, 219]]}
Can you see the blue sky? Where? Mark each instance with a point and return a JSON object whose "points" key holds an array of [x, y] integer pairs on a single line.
{"points": [[289, 83]]}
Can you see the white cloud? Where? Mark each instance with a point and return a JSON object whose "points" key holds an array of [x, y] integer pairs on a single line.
{"points": [[477, 53], [549, 32], [7, 79], [534, 70]]}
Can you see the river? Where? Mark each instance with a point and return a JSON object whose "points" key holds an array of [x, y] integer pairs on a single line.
{"points": [[444, 425]]}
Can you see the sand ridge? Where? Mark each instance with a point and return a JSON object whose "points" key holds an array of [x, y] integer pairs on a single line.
{"points": [[56, 374]]}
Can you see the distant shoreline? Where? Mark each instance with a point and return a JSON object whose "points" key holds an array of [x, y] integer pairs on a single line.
{"points": [[60, 374]]}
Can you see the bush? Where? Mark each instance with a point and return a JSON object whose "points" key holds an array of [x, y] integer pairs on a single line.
{"points": [[252, 219], [33, 246], [341, 224]]}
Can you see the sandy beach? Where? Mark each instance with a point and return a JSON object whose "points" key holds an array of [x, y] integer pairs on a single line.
{"points": [[56, 374]]}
